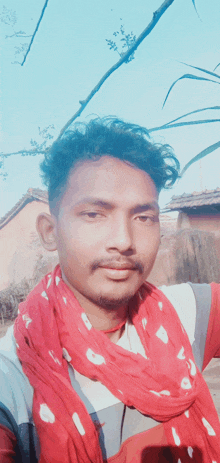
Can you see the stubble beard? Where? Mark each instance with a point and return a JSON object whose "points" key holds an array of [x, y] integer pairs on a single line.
{"points": [[112, 305]]}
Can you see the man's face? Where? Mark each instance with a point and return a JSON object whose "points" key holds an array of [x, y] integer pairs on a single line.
{"points": [[107, 231]]}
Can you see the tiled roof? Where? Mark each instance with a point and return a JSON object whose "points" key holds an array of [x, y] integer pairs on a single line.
{"points": [[33, 194], [194, 200]]}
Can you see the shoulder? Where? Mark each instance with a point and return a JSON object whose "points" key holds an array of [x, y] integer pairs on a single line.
{"points": [[16, 394], [193, 304], [183, 300]]}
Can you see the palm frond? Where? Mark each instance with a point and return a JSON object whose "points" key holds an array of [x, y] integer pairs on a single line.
{"points": [[202, 70], [182, 124], [201, 155], [216, 66], [188, 76], [190, 113], [194, 4]]}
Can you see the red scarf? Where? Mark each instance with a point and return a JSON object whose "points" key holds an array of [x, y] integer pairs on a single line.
{"points": [[52, 329]]}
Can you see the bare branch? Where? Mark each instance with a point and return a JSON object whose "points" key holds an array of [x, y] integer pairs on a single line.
{"points": [[36, 29], [37, 148], [24, 152], [18, 34], [124, 59]]}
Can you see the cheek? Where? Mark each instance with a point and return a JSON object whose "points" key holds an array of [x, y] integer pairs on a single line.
{"points": [[149, 240], [76, 249]]}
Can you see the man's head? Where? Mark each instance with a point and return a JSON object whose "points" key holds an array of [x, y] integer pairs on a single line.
{"points": [[103, 181], [111, 136]]}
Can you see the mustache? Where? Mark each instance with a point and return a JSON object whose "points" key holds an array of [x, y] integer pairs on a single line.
{"points": [[108, 262]]}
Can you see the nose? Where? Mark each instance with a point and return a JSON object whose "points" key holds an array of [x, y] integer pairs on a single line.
{"points": [[120, 236]]}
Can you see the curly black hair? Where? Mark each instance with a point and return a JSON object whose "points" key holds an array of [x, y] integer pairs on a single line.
{"points": [[107, 136]]}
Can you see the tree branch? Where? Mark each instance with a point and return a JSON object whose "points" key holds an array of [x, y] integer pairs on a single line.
{"points": [[156, 16], [25, 152], [36, 29]]}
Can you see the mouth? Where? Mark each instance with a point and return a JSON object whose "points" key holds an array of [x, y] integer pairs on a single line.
{"points": [[119, 266], [118, 271]]}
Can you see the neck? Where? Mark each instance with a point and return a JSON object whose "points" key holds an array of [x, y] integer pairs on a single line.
{"points": [[114, 336], [110, 322], [103, 319]]}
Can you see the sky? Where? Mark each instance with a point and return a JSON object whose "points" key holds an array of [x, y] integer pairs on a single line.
{"points": [[70, 55]]}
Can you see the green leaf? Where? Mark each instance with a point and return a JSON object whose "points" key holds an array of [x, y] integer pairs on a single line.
{"points": [[194, 4], [217, 66], [188, 114], [201, 155], [182, 124], [187, 76], [202, 70]]}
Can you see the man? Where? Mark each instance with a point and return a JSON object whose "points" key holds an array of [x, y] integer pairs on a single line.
{"points": [[99, 366]]}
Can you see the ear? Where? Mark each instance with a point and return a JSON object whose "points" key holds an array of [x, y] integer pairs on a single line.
{"points": [[45, 225]]}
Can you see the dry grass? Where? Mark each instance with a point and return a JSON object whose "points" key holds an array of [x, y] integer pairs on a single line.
{"points": [[11, 297]]}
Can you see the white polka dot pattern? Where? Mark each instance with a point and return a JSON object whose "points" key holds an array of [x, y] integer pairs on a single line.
{"points": [[181, 354], [193, 368], [209, 428], [46, 414], [27, 320], [86, 321], [169, 356], [94, 358], [66, 355], [176, 437], [162, 334], [140, 296], [185, 383], [51, 353], [44, 294], [78, 424], [159, 394], [165, 392]]}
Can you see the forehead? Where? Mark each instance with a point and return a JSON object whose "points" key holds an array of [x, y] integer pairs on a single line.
{"points": [[110, 179]]}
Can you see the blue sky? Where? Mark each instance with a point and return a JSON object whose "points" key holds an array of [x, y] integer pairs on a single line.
{"points": [[70, 55]]}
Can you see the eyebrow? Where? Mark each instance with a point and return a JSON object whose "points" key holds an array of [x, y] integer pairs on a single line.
{"points": [[153, 205]]}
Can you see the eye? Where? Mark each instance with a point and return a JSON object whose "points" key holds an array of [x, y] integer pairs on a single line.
{"points": [[146, 219], [92, 215]]}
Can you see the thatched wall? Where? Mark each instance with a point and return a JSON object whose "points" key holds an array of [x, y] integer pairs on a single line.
{"points": [[196, 258], [187, 255]]}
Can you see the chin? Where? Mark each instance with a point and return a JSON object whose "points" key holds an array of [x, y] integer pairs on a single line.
{"points": [[110, 302]]}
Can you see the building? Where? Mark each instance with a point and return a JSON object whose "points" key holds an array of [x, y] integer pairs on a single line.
{"points": [[198, 210], [21, 252]]}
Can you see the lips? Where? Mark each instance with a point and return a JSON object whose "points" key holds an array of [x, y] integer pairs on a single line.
{"points": [[119, 266], [118, 271]]}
